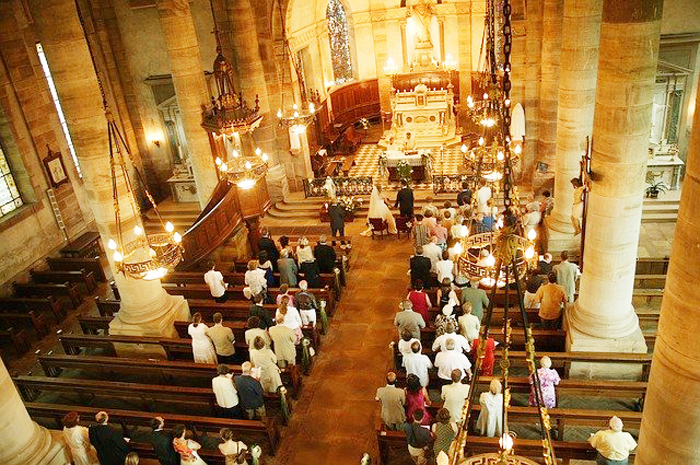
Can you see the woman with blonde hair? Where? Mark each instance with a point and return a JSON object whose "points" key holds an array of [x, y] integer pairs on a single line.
{"points": [[490, 421], [264, 358], [132, 458], [234, 451], [548, 378]]}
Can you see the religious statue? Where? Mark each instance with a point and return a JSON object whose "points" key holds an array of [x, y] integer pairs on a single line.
{"points": [[423, 11]]}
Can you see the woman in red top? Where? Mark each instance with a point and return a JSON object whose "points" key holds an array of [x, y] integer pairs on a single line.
{"points": [[420, 300], [489, 357]]}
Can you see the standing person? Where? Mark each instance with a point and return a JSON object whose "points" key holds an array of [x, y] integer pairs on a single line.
{"points": [[551, 298], [254, 331], [546, 204], [258, 310], [202, 347], [446, 294], [291, 316], [307, 262], [490, 421], [307, 305], [455, 395], [417, 438], [132, 458], [410, 144], [336, 213], [439, 232], [444, 429], [577, 208], [215, 281], [567, 274], [222, 338], [532, 285], [420, 300], [417, 363], [444, 319], [404, 200], [187, 448], [255, 279], [162, 443], [408, 320], [265, 359], [284, 292], [288, 269], [420, 232], [234, 451], [489, 356], [483, 195], [265, 264], [477, 297], [250, 393], [461, 343], [416, 398], [544, 266], [111, 446], [325, 255], [548, 379], [469, 325], [284, 245], [420, 269], [225, 391], [434, 252], [268, 245], [283, 340], [445, 268], [451, 359], [77, 439], [392, 400], [464, 197], [613, 445]]}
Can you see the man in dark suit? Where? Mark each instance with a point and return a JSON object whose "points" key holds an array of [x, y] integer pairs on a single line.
{"points": [[404, 200], [268, 245], [420, 268], [464, 197], [336, 213], [162, 442], [250, 393], [110, 444], [325, 256]]}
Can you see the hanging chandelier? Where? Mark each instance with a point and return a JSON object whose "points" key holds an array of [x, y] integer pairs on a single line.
{"points": [[297, 117], [148, 256], [509, 255], [243, 171]]}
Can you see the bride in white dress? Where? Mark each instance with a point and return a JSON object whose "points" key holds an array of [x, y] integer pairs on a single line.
{"points": [[379, 209]]}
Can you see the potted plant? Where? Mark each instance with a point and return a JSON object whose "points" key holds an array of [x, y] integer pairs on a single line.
{"points": [[654, 187]]}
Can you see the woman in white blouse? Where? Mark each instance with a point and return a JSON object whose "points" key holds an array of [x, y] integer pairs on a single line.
{"points": [[292, 318], [202, 347], [78, 440]]}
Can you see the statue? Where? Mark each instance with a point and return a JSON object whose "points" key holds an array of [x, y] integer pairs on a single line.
{"points": [[423, 11]]}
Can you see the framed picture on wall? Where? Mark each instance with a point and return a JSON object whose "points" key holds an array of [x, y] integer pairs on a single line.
{"points": [[55, 168]]}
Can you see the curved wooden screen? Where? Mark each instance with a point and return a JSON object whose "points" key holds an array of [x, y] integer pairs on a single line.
{"points": [[356, 100]]}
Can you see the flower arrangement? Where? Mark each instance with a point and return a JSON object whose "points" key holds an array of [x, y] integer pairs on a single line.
{"points": [[404, 170], [349, 204], [364, 122]]}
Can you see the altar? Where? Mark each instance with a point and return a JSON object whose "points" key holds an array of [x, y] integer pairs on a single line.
{"points": [[417, 162], [426, 113]]}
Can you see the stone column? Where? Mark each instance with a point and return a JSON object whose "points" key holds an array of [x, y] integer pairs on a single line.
{"points": [[669, 432], [244, 36], [190, 88], [464, 52], [146, 308], [533, 71], [549, 92], [577, 80], [603, 318], [381, 52], [26, 442]]}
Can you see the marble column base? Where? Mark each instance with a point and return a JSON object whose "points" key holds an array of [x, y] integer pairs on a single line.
{"points": [[47, 448], [561, 237], [576, 341]]}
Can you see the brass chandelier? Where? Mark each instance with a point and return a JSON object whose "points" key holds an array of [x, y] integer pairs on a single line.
{"points": [[510, 255], [148, 256], [243, 170]]}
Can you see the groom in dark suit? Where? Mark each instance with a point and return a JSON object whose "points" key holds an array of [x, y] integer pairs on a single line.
{"points": [[109, 443], [162, 442], [404, 200]]}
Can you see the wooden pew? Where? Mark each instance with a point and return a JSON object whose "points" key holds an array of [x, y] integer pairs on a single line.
{"points": [[248, 430], [88, 244], [80, 277], [48, 304], [107, 307], [652, 266], [166, 371], [76, 264], [30, 387], [33, 290], [30, 318], [17, 337], [390, 441], [546, 339], [201, 292], [330, 280]]}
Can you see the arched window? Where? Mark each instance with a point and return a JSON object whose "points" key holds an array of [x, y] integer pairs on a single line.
{"points": [[340, 41], [10, 198]]}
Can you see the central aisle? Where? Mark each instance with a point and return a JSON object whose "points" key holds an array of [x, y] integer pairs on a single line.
{"points": [[335, 417]]}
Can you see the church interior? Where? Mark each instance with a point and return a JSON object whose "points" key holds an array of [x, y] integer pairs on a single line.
{"points": [[316, 173]]}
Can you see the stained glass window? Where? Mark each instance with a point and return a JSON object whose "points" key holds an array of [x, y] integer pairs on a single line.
{"points": [[340, 41], [9, 194]]}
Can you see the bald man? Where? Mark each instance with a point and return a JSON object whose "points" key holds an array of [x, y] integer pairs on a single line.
{"points": [[613, 444], [392, 400]]}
